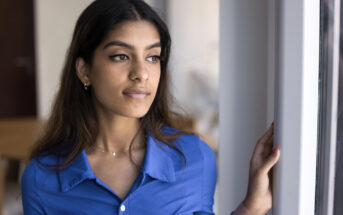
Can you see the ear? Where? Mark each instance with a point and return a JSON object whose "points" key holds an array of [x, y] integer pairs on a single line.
{"points": [[82, 71]]}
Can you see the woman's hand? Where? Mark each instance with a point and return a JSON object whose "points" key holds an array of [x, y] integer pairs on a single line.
{"points": [[258, 200]]}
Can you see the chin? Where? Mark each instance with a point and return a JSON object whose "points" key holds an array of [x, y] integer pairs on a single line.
{"points": [[130, 110], [135, 113]]}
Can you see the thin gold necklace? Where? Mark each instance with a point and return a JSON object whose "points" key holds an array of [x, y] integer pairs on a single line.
{"points": [[112, 152], [103, 150]]}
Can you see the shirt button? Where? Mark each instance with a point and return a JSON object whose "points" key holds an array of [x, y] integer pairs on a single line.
{"points": [[122, 208]]}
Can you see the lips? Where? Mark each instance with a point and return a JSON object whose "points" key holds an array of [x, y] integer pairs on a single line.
{"points": [[136, 93]]}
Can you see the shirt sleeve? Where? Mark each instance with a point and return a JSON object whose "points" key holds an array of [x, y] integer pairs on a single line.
{"points": [[209, 179], [32, 203]]}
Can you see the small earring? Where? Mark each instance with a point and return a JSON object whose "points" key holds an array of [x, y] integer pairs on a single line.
{"points": [[85, 86]]}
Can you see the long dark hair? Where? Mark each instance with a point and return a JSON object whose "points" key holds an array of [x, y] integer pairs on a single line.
{"points": [[73, 124]]}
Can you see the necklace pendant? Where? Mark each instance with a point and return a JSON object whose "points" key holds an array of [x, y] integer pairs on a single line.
{"points": [[114, 154]]}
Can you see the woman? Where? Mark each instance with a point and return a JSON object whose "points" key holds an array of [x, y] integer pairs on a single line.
{"points": [[112, 145]]}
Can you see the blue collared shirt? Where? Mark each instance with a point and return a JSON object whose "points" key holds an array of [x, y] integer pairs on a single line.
{"points": [[163, 187]]}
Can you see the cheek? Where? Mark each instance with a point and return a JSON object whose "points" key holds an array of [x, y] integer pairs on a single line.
{"points": [[106, 84], [156, 79], [157, 82], [156, 86]]}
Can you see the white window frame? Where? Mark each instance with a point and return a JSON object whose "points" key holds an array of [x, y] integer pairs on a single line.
{"points": [[297, 106]]}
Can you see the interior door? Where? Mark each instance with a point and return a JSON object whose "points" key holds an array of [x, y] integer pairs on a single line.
{"points": [[17, 67]]}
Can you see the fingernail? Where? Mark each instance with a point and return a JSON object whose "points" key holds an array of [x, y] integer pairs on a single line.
{"points": [[276, 148]]}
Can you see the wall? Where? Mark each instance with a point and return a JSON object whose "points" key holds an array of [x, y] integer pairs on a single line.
{"points": [[194, 30], [54, 23], [243, 96]]}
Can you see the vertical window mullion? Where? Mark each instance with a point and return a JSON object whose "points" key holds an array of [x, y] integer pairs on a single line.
{"points": [[296, 105]]}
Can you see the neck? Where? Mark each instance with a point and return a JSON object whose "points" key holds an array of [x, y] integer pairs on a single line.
{"points": [[116, 133]]}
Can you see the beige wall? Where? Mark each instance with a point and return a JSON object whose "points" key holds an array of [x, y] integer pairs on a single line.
{"points": [[54, 22], [194, 28]]}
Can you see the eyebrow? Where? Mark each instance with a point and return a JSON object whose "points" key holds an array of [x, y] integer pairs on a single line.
{"points": [[125, 45]]}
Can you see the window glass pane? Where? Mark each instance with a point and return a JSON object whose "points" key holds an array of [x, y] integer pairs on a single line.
{"points": [[329, 141], [339, 156]]}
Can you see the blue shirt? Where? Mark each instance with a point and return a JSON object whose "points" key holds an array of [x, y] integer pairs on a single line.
{"points": [[162, 186]]}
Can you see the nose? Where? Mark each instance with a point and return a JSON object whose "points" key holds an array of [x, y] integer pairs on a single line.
{"points": [[138, 72]]}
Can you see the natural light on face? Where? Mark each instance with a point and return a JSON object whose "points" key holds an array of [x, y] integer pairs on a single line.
{"points": [[125, 71]]}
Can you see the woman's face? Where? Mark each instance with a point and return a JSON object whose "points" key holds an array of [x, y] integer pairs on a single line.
{"points": [[125, 70]]}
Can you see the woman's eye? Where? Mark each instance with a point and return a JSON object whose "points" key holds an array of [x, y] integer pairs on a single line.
{"points": [[119, 57], [154, 59]]}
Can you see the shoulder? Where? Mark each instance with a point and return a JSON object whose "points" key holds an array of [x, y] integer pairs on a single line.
{"points": [[191, 144], [29, 176], [36, 178], [38, 172], [197, 152], [42, 163]]}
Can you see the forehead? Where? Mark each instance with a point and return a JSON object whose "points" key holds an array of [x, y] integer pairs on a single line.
{"points": [[138, 32]]}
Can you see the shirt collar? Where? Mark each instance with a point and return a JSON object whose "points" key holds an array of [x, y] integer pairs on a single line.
{"points": [[76, 173], [157, 163]]}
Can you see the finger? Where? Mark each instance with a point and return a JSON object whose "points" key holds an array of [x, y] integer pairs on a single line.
{"points": [[268, 147], [272, 159], [262, 142], [269, 143], [259, 149], [266, 135], [265, 148], [270, 175]]}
